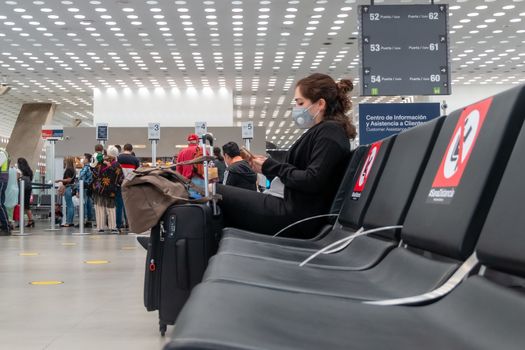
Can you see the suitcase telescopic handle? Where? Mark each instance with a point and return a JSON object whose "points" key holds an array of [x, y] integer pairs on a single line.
{"points": [[208, 137]]}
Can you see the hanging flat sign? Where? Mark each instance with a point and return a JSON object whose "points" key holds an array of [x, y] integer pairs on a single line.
{"points": [[52, 132], [201, 128], [381, 120], [404, 50], [247, 130], [102, 132], [153, 131]]}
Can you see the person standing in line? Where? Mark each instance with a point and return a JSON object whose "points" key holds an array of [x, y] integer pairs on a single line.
{"points": [[68, 182], [191, 171], [11, 192], [219, 163], [4, 178], [86, 175], [238, 173], [26, 175], [128, 162], [119, 202], [97, 157], [107, 177]]}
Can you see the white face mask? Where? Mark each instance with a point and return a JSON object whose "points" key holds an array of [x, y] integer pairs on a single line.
{"points": [[303, 118]]}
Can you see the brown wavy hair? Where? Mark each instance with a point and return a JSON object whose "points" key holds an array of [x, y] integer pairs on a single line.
{"points": [[321, 86]]}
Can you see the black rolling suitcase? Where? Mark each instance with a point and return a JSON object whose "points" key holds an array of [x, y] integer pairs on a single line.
{"points": [[178, 253], [179, 248]]}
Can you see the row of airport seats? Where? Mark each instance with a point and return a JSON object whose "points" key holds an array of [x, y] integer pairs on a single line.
{"points": [[42, 204], [427, 252]]}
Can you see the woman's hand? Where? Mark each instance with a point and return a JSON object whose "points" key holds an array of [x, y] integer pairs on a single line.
{"points": [[257, 162]]}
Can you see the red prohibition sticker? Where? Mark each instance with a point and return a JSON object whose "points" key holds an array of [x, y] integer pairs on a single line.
{"points": [[365, 171], [458, 152]]}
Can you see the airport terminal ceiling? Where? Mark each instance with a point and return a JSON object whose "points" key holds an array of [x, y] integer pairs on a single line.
{"points": [[59, 51]]}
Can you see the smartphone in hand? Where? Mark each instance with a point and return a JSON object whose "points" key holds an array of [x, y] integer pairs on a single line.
{"points": [[245, 154]]}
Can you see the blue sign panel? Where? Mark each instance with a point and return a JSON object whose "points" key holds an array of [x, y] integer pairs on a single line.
{"points": [[380, 120]]}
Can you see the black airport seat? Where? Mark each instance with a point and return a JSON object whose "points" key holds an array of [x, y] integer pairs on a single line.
{"points": [[478, 315], [36, 199], [442, 224], [45, 200], [486, 311], [388, 206], [374, 162], [354, 165]]}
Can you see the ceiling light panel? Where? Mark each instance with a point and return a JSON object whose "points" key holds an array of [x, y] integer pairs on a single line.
{"points": [[60, 50]]}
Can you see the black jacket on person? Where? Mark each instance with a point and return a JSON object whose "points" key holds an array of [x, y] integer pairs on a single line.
{"points": [[311, 174], [221, 168], [313, 170], [240, 174]]}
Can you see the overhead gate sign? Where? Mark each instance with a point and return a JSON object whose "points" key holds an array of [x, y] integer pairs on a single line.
{"points": [[458, 152]]}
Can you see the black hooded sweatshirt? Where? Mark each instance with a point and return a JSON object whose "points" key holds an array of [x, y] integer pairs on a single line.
{"points": [[239, 174]]}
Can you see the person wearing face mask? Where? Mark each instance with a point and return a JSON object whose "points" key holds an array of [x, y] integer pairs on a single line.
{"points": [[313, 167]]}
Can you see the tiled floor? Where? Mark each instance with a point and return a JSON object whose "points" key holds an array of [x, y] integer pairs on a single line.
{"points": [[98, 306]]}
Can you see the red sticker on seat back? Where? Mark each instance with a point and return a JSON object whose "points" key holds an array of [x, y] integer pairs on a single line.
{"points": [[458, 152], [365, 171]]}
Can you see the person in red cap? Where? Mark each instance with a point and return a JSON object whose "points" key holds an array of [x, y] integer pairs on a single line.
{"points": [[189, 171]]}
